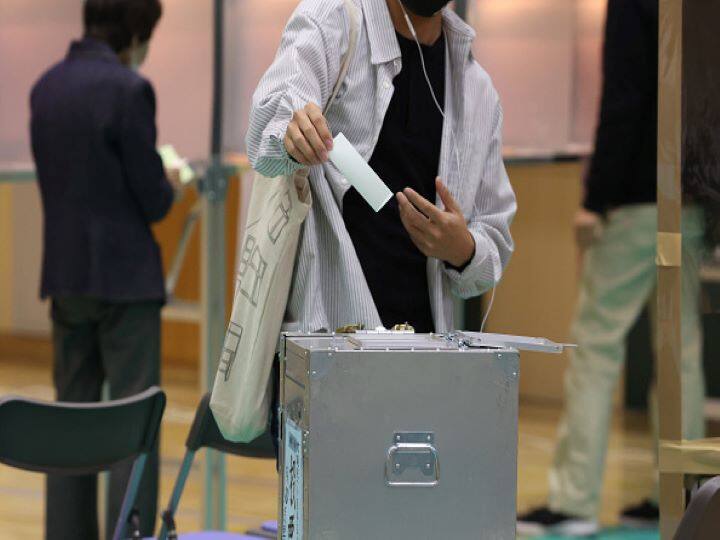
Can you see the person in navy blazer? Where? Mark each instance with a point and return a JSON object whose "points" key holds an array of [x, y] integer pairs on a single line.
{"points": [[102, 185]]}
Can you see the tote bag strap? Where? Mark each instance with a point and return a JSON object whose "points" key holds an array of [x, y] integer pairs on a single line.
{"points": [[300, 178], [354, 17]]}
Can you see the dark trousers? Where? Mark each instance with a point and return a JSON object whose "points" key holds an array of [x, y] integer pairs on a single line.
{"points": [[95, 341]]}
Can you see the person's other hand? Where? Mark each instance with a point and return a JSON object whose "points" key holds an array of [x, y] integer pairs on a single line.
{"points": [[439, 233], [588, 228], [308, 139]]}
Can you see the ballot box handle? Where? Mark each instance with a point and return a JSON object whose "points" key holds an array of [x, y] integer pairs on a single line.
{"points": [[412, 460]]}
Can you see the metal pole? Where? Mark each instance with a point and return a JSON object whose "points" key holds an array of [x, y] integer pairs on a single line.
{"points": [[217, 104], [669, 315], [213, 277], [213, 323]]}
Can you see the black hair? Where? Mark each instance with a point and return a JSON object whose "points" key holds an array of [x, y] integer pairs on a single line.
{"points": [[701, 167], [701, 116], [116, 22]]}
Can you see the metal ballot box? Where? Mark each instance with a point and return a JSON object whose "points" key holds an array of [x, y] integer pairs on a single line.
{"points": [[399, 436]]}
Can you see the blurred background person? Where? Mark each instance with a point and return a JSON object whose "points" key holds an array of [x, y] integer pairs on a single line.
{"points": [[102, 184], [616, 235]]}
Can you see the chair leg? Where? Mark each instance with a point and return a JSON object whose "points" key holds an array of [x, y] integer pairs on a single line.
{"points": [[177, 493], [130, 494]]}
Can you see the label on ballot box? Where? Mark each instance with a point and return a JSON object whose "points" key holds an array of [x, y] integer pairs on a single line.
{"points": [[292, 524]]}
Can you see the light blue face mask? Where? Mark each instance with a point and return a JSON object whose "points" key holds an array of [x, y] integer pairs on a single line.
{"points": [[138, 52]]}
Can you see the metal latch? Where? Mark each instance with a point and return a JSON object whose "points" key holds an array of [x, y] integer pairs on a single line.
{"points": [[412, 460]]}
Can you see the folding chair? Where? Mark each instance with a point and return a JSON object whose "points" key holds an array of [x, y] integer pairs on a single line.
{"points": [[701, 520], [82, 438], [205, 433]]}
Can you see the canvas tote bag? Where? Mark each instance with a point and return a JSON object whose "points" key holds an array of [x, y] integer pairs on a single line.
{"points": [[278, 206]]}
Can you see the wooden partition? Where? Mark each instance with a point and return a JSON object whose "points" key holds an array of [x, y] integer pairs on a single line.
{"points": [[669, 344], [688, 172]]}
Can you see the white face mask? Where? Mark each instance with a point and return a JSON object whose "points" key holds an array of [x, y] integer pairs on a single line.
{"points": [[138, 52]]}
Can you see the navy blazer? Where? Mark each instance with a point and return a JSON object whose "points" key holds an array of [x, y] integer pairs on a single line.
{"points": [[101, 179]]}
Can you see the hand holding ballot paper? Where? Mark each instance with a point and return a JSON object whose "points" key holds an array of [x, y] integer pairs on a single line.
{"points": [[177, 169], [309, 141]]}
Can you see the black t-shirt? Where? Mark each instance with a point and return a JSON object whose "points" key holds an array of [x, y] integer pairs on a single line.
{"points": [[407, 154]]}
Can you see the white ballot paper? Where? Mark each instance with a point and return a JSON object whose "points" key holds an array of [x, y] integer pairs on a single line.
{"points": [[360, 175], [172, 160]]}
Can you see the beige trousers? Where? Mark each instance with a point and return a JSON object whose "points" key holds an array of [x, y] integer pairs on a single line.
{"points": [[618, 280]]}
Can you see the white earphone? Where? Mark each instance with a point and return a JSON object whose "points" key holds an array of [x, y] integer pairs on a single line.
{"points": [[427, 80]]}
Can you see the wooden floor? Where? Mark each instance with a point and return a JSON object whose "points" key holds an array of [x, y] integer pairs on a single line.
{"points": [[252, 483]]}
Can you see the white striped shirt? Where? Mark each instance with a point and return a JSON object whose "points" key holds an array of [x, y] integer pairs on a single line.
{"points": [[329, 289]]}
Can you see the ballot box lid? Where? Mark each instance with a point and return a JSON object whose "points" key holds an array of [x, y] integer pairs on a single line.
{"points": [[407, 341], [521, 343]]}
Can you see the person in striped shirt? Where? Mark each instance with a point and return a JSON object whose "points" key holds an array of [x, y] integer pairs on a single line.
{"points": [[426, 117]]}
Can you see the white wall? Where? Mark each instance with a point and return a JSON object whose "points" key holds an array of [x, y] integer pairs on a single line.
{"points": [[543, 55], [544, 59], [36, 34], [253, 29]]}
